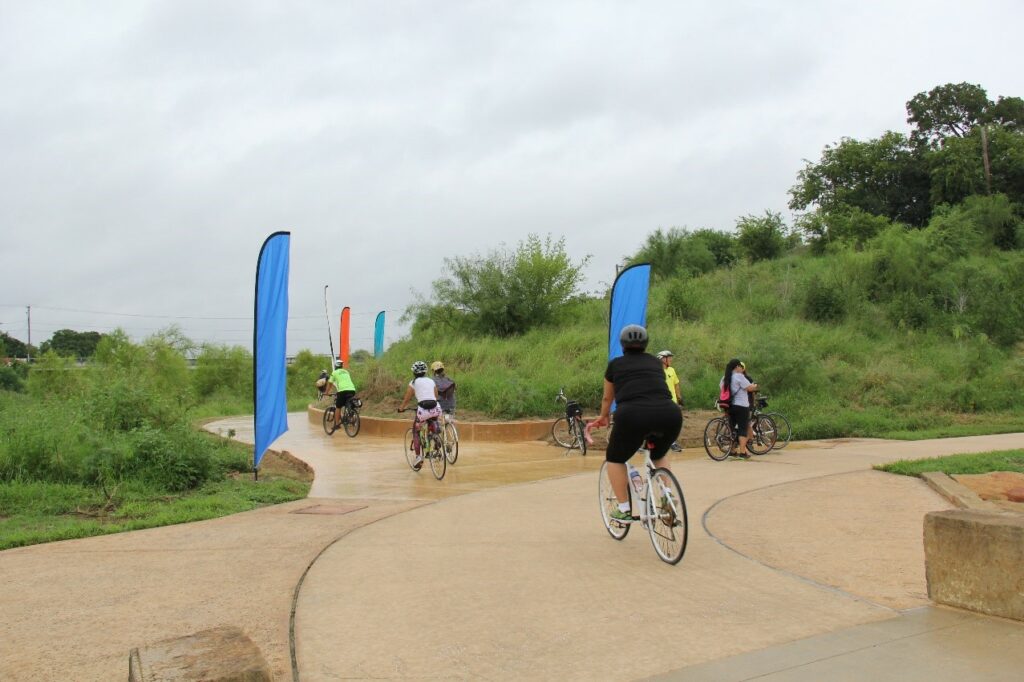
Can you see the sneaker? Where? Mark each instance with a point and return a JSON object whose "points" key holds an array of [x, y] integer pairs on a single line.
{"points": [[619, 515], [675, 447], [418, 464]]}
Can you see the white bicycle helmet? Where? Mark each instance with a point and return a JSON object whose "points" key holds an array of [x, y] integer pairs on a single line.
{"points": [[419, 368]]}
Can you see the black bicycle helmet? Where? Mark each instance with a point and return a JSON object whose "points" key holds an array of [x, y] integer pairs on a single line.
{"points": [[419, 368], [633, 336]]}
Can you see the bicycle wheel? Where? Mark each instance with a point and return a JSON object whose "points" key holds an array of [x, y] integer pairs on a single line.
{"points": [[608, 503], [352, 423], [765, 434], [718, 445], [580, 438], [410, 452], [560, 432], [784, 429], [451, 443], [667, 508], [438, 461], [329, 426]]}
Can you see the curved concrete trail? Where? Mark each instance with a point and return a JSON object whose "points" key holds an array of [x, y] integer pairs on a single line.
{"points": [[503, 570]]}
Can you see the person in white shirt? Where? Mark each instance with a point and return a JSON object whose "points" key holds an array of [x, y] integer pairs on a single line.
{"points": [[427, 407]]}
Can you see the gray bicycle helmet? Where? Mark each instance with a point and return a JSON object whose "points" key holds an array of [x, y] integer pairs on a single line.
{"points": [[338, 364], [419, 368], [633, 336]]}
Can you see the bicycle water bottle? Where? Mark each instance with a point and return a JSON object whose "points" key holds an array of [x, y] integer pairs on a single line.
{"points": [[635, 479]]}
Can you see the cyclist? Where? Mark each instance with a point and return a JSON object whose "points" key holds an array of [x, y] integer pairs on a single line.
{"points": [[427, 407], [740, 389], [344, 389], [445, 388], [636, 381], [673, 385], [321, 384]]}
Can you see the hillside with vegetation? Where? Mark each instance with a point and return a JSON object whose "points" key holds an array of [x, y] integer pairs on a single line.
{"points": [[892, 306]]}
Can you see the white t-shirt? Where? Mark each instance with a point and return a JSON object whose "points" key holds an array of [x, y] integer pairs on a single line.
{"points": [[424, 388]]}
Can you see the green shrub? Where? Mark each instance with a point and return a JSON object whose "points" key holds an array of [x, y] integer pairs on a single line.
{"points": [[174, 459], [823, 301]]}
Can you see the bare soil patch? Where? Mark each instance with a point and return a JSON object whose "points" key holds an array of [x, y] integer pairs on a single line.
{"points": [[993, 487]]}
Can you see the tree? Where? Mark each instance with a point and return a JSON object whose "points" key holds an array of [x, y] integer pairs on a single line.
{"points": [[886, 176], [16, 348], [954, 110], [761, 238], [947, 110], [69, 343], [505, 292]]}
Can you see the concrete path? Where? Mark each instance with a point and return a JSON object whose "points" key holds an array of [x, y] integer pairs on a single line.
{"points": [[487, 574], [523, 581]]}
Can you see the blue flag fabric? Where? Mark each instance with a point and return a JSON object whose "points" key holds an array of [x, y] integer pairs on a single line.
{"points": [[378, 335], [270, 330], [629, 304]]}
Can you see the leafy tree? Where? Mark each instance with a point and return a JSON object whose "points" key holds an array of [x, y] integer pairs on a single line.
{"points": [[957, 170], [947, 110], [955, 109], [664, 250], [761, 238], [16, 348], [886, 176], [72, 344], [504, 293], [722, 245]]}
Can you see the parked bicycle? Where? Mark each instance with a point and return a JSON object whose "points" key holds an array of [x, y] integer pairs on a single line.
{"points": [[720, 440], [349, 417], [657, 503], [783, 429], [567, 430], [425, 438]]}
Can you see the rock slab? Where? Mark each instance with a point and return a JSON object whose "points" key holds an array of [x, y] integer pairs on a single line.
{"points": [[975, 560], [223, 654]]}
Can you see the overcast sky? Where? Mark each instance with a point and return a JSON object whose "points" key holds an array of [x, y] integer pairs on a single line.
{"points": [[148, 148]]}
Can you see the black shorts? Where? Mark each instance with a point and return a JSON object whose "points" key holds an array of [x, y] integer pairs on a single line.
{"points": [[739, 419], [661, 420], [342, 397]]}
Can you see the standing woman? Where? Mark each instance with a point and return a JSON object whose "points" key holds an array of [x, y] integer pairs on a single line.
{"points": [[740, 389], [636, 381]]}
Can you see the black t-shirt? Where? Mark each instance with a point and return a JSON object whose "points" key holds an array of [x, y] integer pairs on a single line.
{"points": [[638, 377]]}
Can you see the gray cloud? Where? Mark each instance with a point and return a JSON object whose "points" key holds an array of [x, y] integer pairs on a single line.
{"points": [[151, 147]]}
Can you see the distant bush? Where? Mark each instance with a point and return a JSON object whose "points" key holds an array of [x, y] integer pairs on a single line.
{"points": [[824, 301]]}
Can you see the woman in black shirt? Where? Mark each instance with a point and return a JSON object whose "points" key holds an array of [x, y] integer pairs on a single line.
{"points": [[636, 381]]}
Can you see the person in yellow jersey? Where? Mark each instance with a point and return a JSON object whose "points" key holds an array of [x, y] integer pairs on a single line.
{"points": [[673, 385]]}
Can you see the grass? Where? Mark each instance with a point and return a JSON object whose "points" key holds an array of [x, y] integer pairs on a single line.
{"points": [[36, 512], [979, 463]]}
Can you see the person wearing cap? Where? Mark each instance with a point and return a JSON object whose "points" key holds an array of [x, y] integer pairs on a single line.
{"points": [[673, 385], [445, 387], [636, 382]]}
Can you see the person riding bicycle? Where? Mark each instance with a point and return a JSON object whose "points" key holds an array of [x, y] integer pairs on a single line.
{"points": [[636, 381], [427, 407], [672, 379], [445, 388], [740, 388], [344, 389], [321, 384]]}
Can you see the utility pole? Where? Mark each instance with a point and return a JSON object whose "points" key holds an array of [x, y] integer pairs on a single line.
{"points": [[28, 346], [984, 158]]}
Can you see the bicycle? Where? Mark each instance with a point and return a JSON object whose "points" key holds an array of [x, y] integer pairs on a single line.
{"points": [[427, 440], [567, 431], [450, 438], [783, 428], [720, 441], [349, 418], [665, 518]]}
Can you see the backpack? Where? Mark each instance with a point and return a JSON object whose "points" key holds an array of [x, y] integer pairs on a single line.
{"points": [[724, 398]]}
